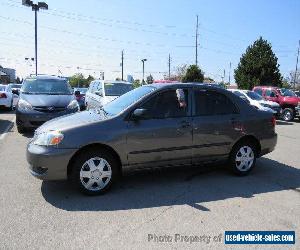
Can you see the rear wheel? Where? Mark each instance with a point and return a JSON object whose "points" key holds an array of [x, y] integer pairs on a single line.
{"points": [[287, 114], [243, 158], [95, 171]]}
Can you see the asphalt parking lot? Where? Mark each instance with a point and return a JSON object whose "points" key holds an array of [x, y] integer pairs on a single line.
{"points": [[161, 202]]}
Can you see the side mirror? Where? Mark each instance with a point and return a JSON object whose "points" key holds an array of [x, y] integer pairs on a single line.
{"points": [[99, 93], [77, 92], [138, 114], [15, 92]]}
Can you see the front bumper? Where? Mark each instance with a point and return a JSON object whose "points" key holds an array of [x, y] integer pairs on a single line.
{"points": [[33, 119], [268, 144], [48, 163]]}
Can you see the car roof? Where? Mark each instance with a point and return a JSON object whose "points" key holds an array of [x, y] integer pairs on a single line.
{"points": [[181, 85], [46, 77], [267, 87]]}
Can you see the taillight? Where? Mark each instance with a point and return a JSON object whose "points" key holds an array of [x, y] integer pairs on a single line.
{"points": [[3, 95], [273, 121]]}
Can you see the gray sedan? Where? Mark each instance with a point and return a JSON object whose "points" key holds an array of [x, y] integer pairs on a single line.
{"points": [[153, 125]]}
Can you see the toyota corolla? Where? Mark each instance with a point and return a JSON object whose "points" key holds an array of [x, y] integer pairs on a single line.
{"points": [[153, 125]]}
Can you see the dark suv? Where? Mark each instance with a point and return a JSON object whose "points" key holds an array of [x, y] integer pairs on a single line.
{"points": [[153, 125], [43, 98], [284, 97]]}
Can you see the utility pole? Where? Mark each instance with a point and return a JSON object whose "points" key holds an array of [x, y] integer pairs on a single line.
{"points": [[122, 64], [35, 8], [197, 41], [169, 64], [229, 72], [143, 61], [295, 76], [223, 76]]}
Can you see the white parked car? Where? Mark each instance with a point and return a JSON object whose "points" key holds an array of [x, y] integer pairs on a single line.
{"points": [[257, 101], [8, 99], [101, 92]]}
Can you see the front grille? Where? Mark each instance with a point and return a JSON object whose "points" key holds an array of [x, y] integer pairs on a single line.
{"points": [[49, 109]]}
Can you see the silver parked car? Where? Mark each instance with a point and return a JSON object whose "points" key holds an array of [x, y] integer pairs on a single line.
{"points": [[101, 92], [153, 125]]}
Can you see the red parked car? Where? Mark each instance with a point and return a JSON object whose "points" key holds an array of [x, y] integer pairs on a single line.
{"points": [[285, 97]]}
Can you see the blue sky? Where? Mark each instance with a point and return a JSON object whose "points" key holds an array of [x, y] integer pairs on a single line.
{"points": [[90, 35]]}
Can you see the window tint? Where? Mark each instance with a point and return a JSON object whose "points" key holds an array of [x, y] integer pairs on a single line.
{"points": [[258, 91], [171, 103], [270, 93], [212, 103]]}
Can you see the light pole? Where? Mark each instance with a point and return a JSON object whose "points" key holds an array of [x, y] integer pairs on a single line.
{"points": [[35, 8], [143, 61]]}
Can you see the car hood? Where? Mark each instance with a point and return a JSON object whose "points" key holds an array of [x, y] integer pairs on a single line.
{"points": [[108, 99], [48, 100], [71, 121], [272, 104]]}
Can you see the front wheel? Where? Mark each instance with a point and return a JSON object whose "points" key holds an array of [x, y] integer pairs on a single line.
{"points": [[243, 158], [287, 114], [95, 171]]}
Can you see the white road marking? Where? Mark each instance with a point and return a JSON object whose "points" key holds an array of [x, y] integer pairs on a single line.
{"points": [[2, 136]]}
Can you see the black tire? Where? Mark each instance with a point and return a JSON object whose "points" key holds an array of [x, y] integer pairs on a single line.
{"points": [[237, 166], [287, 115], [80, 164], [21, 129]]}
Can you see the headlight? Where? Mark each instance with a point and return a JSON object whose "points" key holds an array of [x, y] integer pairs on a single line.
{"points": [[50, 138], [23, 105], [73, 105]]}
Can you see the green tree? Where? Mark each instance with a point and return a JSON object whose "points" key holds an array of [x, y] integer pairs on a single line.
{"points": [[18, 80], [258, 66], [136, 83], [78, 80], [193, 74], [149, 79], [88, 80]]}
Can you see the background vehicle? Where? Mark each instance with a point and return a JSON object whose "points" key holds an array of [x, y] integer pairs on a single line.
{"points": [[287, 100], [15, 87], [257, 101], [7, 98], [297, 93], [80, 97], [153, 125], [101, 92], [43, 98]]}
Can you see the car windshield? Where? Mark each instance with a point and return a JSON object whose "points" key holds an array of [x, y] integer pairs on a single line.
{"points": [[116, 89], [126, 100], [2, 88], [254, 96], [287, 92], [46, 87]]}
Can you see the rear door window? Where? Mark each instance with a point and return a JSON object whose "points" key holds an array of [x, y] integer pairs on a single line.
{"points": [[212, 103], [258, 91]]}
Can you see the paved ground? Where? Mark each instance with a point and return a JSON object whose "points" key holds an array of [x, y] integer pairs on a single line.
{"points": [[51, 215]]}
